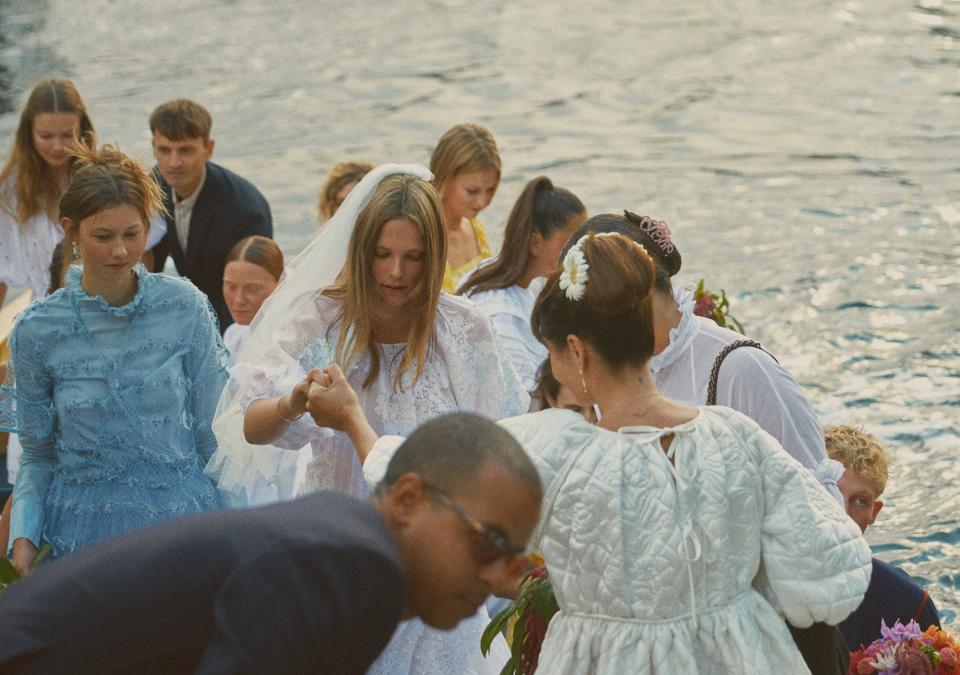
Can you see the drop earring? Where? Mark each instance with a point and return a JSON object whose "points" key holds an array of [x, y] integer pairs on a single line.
{"points": [[583, 382], [75, 250]]}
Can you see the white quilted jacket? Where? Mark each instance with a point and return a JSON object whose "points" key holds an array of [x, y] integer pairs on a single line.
{"points": [[683, 567]]}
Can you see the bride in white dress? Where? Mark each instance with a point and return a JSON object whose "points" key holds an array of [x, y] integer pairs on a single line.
{"points": [[365, 295], [677, 538]]}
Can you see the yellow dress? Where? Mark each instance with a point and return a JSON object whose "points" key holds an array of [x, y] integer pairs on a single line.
{"points": [[453, 277]]}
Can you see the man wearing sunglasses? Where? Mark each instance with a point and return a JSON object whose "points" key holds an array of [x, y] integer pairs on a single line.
{"points": [[314, 585]]}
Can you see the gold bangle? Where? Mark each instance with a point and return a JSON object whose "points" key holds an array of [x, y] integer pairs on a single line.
{"points": [[280, 414]]}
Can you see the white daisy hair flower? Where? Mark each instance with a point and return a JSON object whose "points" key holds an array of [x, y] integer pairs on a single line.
{"points": [[573, 278]]}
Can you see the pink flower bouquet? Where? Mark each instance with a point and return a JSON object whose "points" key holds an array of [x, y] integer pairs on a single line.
{"points": [[905, 650]]}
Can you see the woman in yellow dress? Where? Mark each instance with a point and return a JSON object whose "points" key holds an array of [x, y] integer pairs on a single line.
{"points": [[466, 173]]}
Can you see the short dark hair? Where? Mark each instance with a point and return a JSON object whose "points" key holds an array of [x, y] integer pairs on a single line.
{"points": [[449, 451], [181, 120]]}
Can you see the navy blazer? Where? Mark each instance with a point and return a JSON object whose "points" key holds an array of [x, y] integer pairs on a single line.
{"points": [[228, 209], [313, 585]]}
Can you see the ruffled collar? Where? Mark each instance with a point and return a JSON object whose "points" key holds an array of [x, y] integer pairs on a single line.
{"points": [[75, 274], [680, 336]]}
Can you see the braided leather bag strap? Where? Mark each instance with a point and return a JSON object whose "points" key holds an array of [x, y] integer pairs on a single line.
{"points": [[714, 374]]}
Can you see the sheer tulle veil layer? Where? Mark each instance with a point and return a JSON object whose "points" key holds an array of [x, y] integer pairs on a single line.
{"points": [[256, 474]]}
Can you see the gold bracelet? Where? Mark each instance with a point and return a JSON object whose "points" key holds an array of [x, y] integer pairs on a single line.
{"points": [[280, 414]]}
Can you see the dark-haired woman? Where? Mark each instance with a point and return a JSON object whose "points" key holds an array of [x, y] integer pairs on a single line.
{"points": [[542, 220], [750, 380], [117, 377], [676, 537]]}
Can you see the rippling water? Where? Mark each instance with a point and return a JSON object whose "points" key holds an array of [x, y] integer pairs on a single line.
{"points": [[806, 155]]}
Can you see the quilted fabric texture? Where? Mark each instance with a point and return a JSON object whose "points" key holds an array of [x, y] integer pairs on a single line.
{"points": [[689, 565]]}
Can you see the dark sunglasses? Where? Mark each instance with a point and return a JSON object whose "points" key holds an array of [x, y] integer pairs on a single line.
{"points": [[492, 542]]}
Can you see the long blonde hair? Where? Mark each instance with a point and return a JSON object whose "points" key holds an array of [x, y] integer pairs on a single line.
{"points": [[36, 190], [465, 148], [413, 199]]}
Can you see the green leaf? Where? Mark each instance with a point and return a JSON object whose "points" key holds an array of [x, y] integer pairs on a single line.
{"points": [[496, 626], [8, 573], [41, 556]]}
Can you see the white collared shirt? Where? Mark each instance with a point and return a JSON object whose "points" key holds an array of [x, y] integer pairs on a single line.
{"points": [[183, 210]]}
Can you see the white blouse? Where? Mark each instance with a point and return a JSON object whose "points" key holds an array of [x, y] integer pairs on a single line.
{"points": [[25, 252], [233, 338], [750, 381], [509, 310]]}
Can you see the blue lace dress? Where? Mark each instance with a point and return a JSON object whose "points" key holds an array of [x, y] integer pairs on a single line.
{"points": [[114, 407]]}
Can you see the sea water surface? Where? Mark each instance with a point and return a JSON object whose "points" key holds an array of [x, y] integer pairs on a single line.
{"points": [[806, 156]]}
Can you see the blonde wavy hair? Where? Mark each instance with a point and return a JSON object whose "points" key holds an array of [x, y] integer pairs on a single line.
{"points": [[860, 452], [409, 198], [465, 148]]}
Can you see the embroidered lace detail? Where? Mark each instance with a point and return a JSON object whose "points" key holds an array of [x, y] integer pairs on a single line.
{"points": [[114, 410], [73, 285], [465, 370]]}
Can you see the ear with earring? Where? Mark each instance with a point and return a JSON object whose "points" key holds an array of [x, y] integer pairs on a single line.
{"points": [[583, 383]]}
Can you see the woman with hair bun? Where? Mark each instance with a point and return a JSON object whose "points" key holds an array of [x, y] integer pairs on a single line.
{"points": [[117, 377], [542, 219], [675, 537], [252, 271], [466, 173], [686, 347]]}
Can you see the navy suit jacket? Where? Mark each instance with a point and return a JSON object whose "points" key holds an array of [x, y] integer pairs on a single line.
{"points": [[891, 595], [312, 585], [227, 209]]}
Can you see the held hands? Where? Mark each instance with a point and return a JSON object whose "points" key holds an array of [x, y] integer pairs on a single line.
{"points": [[331, 401]]}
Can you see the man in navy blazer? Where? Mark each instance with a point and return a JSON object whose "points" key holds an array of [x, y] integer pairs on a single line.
{"points": [[210, 208], [314, 585]]}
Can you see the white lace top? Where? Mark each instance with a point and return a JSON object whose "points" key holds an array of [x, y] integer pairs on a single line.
{"points": [[465, 370], [750, 381], [509, 310]]}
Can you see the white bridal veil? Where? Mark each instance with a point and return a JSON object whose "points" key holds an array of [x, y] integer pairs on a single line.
{"points": [[255, 474]]}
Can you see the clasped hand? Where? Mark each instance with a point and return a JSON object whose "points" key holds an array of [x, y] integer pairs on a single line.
{"points": [[327, 396]]}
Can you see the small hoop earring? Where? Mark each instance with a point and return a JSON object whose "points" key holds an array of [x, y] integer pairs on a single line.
{"points": [[75, 250]]}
